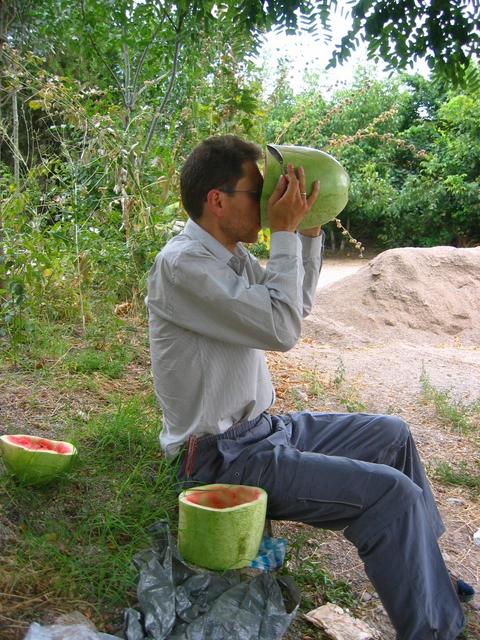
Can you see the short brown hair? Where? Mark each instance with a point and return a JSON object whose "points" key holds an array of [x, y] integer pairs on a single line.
{"points": [[216, 162]]}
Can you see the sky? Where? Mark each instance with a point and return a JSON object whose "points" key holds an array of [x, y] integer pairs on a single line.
{"points": [[306, 52]]}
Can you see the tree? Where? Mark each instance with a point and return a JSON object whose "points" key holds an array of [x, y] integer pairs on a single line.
{"points": [[444, 32]]}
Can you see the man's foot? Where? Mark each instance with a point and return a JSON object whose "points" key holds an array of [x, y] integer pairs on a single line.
{"points": [[464, 591]]}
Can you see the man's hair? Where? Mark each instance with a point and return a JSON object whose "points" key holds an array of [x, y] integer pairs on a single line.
{"points": [[215, 163]]}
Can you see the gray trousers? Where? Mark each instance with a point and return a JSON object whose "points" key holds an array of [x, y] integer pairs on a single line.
{"points": [[357, 472]]}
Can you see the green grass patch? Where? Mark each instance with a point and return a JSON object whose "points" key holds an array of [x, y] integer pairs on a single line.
{"points": [[315, 386], [76, 538], [460, 416], [107, 347], [110, 361], [461, 476], [316, 585]]}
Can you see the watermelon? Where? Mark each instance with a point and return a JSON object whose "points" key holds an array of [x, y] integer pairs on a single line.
{"points": [[35, 460], [221, 525], [318, 165]]}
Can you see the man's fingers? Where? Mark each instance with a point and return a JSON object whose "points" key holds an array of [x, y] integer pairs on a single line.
{"points": [[279, 189], [301, 182], [315, 191], [291, 177]]}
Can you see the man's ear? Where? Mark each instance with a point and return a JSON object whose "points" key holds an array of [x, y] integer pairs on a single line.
{"points": [[215, 203]]}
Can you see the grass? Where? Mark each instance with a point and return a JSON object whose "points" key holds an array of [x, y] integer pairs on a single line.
{"points": [[346, 391], [464, 418], [318, 587], [71, 543], [462, 476], [77, 538]]}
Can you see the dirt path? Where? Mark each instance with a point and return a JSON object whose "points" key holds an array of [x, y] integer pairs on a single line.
{"points": [[387, 378]]}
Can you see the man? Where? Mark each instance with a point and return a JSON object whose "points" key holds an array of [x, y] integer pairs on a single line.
{"points": [[213, 310]]}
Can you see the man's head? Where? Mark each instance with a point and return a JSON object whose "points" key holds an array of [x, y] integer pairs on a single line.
{"points": [[217, 163]]}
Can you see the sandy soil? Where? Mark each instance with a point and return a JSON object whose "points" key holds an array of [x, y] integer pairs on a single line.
{"points": [[384, 375]]}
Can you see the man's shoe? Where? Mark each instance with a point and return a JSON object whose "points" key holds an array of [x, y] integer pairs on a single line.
{"points": [[464, 591]]}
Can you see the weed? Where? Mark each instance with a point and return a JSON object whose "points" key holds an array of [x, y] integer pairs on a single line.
{"points": [[456, 413], [351, 404], [315, 388], [296, 400], [314, 582], [340, 373], [318, 587], [446, 474]]}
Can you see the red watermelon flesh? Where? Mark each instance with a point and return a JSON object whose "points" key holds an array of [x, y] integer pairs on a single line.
{"points": [[223, 498], [41, 444]]}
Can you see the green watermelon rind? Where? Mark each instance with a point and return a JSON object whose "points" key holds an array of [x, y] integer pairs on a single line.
{"points": [[318, 165], [221, 539], [35, 467]]}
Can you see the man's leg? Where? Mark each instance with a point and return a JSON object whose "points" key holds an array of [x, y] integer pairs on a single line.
{"points": [[377, 438], [389, 517]]}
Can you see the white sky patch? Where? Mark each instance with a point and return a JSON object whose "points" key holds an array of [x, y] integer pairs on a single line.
{"points": [[309, 54]]}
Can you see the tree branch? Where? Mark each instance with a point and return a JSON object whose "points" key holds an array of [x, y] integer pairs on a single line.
{"points": [[142, 57], [97, 51], [168, 90]]}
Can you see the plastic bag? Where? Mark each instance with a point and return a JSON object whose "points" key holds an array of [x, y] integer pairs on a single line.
{"points": [[65, 632], [271, 554], [178, 602]]}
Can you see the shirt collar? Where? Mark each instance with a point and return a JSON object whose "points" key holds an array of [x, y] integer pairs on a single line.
{"points": [[236, 260]]}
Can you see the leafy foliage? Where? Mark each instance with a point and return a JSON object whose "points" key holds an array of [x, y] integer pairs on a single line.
{"points": [[444, 32]]}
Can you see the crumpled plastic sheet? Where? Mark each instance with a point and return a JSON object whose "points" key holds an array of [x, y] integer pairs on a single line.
{"points": [[179, 602]]}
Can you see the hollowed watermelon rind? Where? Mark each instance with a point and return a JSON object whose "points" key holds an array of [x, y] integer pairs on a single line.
{"points": [[318, 165], [221, 539], [35, 466]]}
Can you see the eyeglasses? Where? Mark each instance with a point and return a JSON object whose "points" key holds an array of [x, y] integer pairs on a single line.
{"points": [[255, 194]]}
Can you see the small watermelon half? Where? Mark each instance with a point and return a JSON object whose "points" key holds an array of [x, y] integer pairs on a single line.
{"points": [[35, 460], [221, 525]]}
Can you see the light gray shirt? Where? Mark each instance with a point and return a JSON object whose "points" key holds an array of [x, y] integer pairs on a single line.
{"points": [[211, 316]]}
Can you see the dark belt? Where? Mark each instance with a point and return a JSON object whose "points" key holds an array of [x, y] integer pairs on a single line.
{"points": [[209, 441]]}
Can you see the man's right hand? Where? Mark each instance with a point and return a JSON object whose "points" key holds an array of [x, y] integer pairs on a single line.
{"points": [[288, 204]]}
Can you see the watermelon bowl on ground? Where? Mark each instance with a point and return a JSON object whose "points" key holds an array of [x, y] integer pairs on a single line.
{"points": [[221, 525], [35, 460]]}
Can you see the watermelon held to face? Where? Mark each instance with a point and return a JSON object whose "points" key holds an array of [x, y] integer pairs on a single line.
{"points": [[318, 165], [35, 460], [221, 525]]}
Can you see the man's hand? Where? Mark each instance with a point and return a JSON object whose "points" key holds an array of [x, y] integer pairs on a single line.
{"points": [[288, 204]]}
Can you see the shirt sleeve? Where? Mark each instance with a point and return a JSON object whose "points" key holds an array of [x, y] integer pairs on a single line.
{"points": [[312, 259], [312, 256], [198, 292]]}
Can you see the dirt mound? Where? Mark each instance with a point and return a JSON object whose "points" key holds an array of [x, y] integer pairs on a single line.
{"points": [[409, 294]]}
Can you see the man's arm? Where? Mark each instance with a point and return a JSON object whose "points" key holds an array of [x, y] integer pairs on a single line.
{"points": [[312, 258], [313, 246], [199, 293], [287, 206]]}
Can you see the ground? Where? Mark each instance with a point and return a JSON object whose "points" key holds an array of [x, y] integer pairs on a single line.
{"points": [[418, 381], [387, 378]]}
